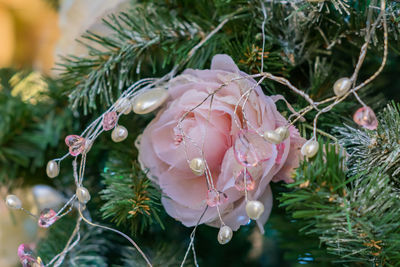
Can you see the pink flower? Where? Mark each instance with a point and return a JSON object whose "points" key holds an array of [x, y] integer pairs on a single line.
{"points": [[162, 149]]}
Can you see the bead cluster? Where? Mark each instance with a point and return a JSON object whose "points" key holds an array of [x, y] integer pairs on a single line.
{"points": [[141, 103]]}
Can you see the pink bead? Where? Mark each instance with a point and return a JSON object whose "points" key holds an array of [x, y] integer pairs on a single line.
{"points": [[240, 180], [366, 118], [215, 198], [76, 144], [250, 148], [27, 257], [281, 149], [47, 218], [110, 119]]}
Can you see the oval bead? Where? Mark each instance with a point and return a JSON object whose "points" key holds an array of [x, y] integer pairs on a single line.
{"points": [[342, 86], [254, 209], [149, 101], [224, 234], [83, 195], [13, 202], [310, 148], [52, 169], [123, 106], [119, 134], [198, 166]]}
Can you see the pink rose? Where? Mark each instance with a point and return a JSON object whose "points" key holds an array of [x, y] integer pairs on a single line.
{"points": [[162, 151]]}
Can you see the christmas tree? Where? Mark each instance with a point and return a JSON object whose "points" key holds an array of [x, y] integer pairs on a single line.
{"points": [[210, 133]]}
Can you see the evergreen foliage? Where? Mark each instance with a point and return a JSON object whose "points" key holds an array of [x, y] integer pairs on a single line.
{"points": [[351, 210]]}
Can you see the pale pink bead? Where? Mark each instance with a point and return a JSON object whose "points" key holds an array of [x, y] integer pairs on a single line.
{"points": [[240, 180], [366, 118], [76, 144], [110, 119], [27, 257], [215, 198], [250, 148], [47, 218]]}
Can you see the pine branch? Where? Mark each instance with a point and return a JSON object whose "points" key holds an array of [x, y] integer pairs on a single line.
{"points": [[90, 250], [356, 218], [130, 197], [163, 254], [369, 150]]}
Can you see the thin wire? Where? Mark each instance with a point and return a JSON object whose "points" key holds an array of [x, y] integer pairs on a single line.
{"points": [[116, 231], [192, 236]]}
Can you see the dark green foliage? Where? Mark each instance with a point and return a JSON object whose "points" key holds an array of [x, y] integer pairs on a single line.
{"points": [[370, 150], [355, 217], [90, 251], [162, 255], [131, 198], [28, 127]]}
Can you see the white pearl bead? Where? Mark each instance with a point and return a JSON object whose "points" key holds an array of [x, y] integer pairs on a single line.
{"points": [[342, 86], [310, 148], [272, 137], [149, 101], [83, 195], [13, 202], [119, 134], [198, 166], [123, 106], [254, 209], [225, 235], [283, 132], [52, 169]]}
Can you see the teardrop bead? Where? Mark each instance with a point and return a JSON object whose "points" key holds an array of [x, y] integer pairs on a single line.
{"points": [[76, 144], [366, 118], [47, 218], [244, 180], [149, 101], [250, 148], [52, 169], [110, 119], [215, 198], [27, 257]]}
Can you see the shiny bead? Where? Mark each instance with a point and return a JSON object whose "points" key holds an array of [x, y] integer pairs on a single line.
{"points": [[52, 169], [342, 86], [27, 257], [76, 144], [119, 134], [243, 176], [83, 195], [123, 106], [310, 148], [198, 166], [109, 120], [13, 202], [215, 198], [272, 137], [47, 218], [254, 209], [149, 101], [250, 148], [225, 234], [366, 118], [283, 132]]}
